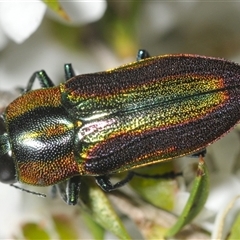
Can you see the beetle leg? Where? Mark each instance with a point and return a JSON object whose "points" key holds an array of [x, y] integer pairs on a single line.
{"points": [[54, 190], [167, 175], [69, 190], [43, 79], [69, 72], [142, 54], [105, 183], [199, 153]]}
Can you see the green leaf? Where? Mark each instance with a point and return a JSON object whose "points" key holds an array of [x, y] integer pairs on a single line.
{"points": [[196, 201], [55, 6], [34, 231], [160, 192], [97, 205]]}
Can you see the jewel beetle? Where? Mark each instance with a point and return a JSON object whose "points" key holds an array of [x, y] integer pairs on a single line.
{"points": [[98, 124]]}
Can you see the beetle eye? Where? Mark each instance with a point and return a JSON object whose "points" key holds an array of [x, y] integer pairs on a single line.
{"points": [[7, 169]]}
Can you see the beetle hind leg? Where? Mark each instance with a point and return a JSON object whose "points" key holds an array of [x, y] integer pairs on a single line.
{"points": [[167, 175], [199, 153], [106, 185]]}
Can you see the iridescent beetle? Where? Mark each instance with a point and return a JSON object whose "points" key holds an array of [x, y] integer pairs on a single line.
{"points": [[103, 123]]}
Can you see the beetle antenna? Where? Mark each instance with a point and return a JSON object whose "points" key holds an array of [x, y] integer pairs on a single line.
{"points": [[28, 191]]}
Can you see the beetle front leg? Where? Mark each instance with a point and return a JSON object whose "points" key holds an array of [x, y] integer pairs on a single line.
{"points": [[106, 185], [43, 79], [142, 54], [69, 72], [69, 190]]}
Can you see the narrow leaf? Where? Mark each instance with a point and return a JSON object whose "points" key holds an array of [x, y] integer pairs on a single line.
{"points": [[196, 201], [97, 205]]}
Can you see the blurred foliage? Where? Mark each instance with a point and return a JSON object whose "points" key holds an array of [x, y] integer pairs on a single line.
{"points": [[34, 231], [116, 29], [95, 229], [65, 227]]}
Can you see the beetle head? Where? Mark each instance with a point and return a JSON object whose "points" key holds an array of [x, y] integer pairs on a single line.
{"points": [[7, 166]]}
